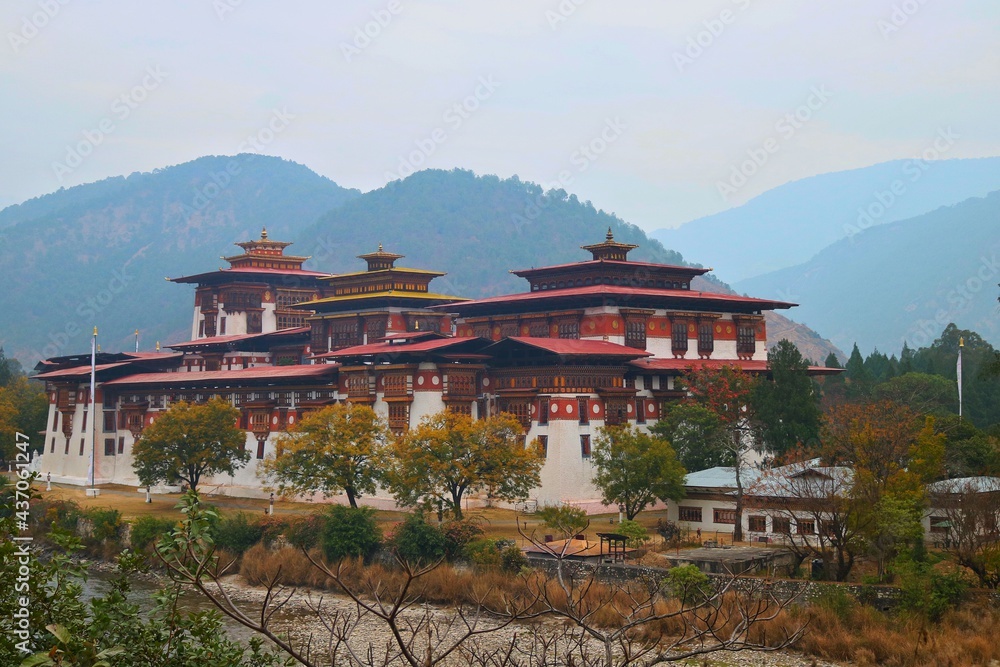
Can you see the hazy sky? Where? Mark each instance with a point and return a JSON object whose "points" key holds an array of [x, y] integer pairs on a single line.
{"points": [[644, 108]]}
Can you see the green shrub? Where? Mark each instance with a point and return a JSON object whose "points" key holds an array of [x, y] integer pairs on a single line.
{"points": [[837, 600], [106, 524], [928, 591], [564, 520], [635, 532], [688, 584], [237, 533], [482, 553], [61, 514], [303, 532], [457, 535], [418, 542], [349, 533], [147, 530], [513, 560]]}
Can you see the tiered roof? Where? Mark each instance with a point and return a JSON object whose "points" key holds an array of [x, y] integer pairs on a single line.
{"points": [[261, 261]]}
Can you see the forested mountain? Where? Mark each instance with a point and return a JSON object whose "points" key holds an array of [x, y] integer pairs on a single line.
{"points": [[479, 228], [791, 223], [902, 281], [101, 256], [98, 253]]}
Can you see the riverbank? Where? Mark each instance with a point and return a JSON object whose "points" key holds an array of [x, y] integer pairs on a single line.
{"points": [[309, 614]]}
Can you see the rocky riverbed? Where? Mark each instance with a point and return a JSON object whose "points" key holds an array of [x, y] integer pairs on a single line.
{"points": [[313, 617]]}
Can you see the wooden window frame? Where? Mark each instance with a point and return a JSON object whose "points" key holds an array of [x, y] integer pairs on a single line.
{"points": [[689, 514]]}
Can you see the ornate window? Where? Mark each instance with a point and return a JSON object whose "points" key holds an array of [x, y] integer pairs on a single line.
{"points": [[781, 525], [635, 334], [399, 417], [284, 298], [616, 411], [692, 514], [585, 445], [543, 411], [109, 446], [723, 516], [318, 339], [209, 326], [706, 339], [805, 526], [345, 333], [569, 330], [746, 340], [679, 337], [581, 405], [757, 524], [290, 320], [543, 446], [375, 328], [520, 409]]}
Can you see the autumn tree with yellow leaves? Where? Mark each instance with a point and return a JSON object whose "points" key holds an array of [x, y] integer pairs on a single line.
{"points": [[342, 448], [449, 454]]}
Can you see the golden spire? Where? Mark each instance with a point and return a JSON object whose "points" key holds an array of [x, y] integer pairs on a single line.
{"points": [[609, 236], [157, 346], [380, 247], [263, 234]]}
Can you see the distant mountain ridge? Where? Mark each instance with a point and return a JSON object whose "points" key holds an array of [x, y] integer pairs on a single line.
{"points": [[789, 224], [903, 281], [99, 253]]}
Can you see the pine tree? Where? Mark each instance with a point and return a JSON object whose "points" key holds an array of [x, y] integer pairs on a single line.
{"points": [[787, 405]]}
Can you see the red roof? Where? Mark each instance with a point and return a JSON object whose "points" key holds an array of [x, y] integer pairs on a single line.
{"points": [[77, 371], [690, 270], [251, 271], [389, 348], [754, 366], [222, 340], [575, 347], [412, 334], [237, 376], [621, 291]]}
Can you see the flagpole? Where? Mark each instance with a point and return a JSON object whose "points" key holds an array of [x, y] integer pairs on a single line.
{"points": [[93, 408], [961, 344]]}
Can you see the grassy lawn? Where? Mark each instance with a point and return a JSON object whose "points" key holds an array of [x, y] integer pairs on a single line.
{"points": [[497, 523]]}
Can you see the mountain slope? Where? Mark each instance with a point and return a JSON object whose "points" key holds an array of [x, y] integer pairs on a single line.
{"points": [[791, 223], [903, 281], [98, 253], [478, 228], [99, 257]]}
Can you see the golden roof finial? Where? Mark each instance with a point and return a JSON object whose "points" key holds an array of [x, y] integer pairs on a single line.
{"points": [[380, 247], [157, 346], [610, 236], [263, 234]]}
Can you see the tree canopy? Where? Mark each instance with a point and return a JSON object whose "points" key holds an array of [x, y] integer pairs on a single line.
{"points": [[449, 454], [339, 449], [787, 404], [190, 441], [633, 469]]}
